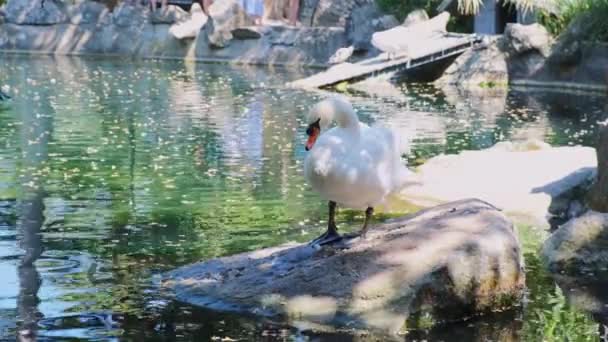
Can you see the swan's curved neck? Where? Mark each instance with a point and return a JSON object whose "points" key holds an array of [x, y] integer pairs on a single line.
{"points": [[346, 118], [344, 115]]}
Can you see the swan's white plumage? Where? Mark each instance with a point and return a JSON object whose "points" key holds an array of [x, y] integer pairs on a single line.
{"points": [[353, 164]]}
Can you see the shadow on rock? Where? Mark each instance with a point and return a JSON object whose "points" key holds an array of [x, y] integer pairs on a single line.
{"points": [[443, 264]]}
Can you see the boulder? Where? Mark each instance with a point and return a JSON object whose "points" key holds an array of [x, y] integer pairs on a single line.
{"points": [[35, 12], [567, 51], [128, 15], [307, 11], [579, 246], [415, 17], [529, 180], [191, 26], [587, 294], [170, 15], [597, 198], [225, 16], [486, 65], [363, 22], [520, 39], [336, 13], [443, 263], [402, 39], [88, 12], [331, 13]]}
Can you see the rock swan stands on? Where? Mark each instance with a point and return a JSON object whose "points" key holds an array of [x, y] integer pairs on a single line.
{"points": [[352, 164], [445, 263]]}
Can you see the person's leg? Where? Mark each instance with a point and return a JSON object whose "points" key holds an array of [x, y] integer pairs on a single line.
{"points": [[259, 11], [163, 4], [294, 9], [153, 5]]}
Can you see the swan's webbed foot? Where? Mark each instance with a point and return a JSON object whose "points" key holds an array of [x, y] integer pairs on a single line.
{"points": [[329, 237]]}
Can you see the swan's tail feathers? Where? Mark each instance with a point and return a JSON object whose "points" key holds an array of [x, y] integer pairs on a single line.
{"points": [[406, 178], [400, 141], [403, 144]]}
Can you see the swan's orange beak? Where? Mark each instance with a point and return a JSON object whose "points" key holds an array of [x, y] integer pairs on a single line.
{"points": [[313, 134]]}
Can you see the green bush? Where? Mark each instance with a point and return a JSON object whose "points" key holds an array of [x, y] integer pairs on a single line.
{"points": [[589, 14]]}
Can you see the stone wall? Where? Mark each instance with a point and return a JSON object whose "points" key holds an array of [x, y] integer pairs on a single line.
{"points": [[88, 27]]}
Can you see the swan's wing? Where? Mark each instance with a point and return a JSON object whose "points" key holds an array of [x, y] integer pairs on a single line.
{"points": [[396, 143], [385, 147]]}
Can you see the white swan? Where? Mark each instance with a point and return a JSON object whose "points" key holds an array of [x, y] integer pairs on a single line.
{"points": [[352, 165]]}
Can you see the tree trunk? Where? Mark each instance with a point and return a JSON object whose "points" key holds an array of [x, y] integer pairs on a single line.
{"points": [[597, 198]]}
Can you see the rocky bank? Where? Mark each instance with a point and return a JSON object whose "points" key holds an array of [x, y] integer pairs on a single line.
{"points": [[528, 55], [90, 27]]}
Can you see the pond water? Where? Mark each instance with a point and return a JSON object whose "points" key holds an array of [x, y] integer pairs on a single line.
{"points": [[112, 172]]}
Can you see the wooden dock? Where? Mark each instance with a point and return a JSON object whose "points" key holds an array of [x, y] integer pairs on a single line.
{"points": [[442, 47]]}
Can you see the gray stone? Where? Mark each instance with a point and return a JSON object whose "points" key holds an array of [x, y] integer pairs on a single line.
{"points": [[88, 12], [402, 39], [522, 179], [526, 65], [307, 11], [190, 27], [128, 15], [597, 198], [170, 15], [478, 67], [415, 17], [587, 293], [336, 13], [363, 22], [520, 39], [225, 16], [217, 39], [568, 49], [444, 263], [579, 246], [35, 12]]}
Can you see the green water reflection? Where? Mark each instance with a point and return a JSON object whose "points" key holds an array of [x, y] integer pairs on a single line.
{"points": [[114, 171]]}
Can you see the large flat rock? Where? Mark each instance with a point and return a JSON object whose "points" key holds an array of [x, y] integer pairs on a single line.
{"points": [[444, 263], [527, 183]]}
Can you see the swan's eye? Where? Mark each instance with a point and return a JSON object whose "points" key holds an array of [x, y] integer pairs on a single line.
{"points": [[310, 129]]}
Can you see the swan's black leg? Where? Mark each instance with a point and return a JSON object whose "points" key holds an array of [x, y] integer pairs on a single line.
{"points": [[331, 235]]}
